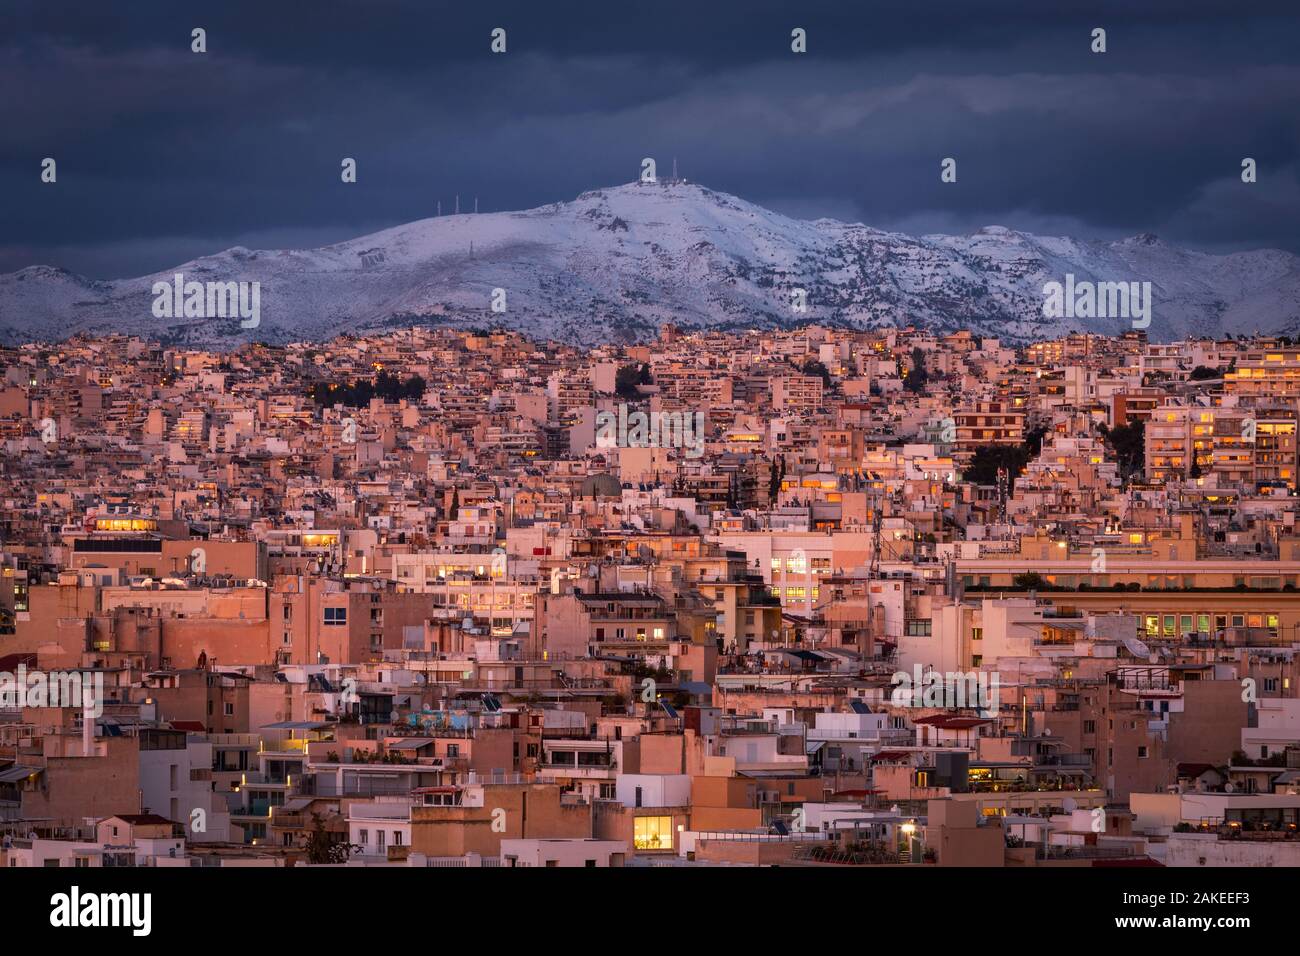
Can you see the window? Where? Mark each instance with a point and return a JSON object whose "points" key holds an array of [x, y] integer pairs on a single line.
{"points": [[336, 616], [652, 833], [1142, 752], [916, 627]]}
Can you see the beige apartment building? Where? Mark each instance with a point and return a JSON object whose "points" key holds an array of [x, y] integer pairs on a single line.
{"points": [[988, 423], [796, 392], [1221, 446], [1271, 374]]}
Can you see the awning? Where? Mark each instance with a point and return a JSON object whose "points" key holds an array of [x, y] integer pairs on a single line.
{"points": [[16, 773]]}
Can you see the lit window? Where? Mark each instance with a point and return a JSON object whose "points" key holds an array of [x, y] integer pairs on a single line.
{"points": [[652, 833]]}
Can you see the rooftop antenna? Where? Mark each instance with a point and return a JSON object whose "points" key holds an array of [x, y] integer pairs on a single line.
{"points": [[674, 169], [439, 207], [476, 205], [458, 204]]}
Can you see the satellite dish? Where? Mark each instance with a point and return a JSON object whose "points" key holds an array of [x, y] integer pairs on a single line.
{"points": [[1070, 804], [1229, 788], [1136, 647]]}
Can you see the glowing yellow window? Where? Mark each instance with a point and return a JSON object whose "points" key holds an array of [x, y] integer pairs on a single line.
{"points": [[652, 833]]}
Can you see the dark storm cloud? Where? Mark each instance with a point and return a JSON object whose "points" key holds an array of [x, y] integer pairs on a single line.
{"points": [[164, 155]]}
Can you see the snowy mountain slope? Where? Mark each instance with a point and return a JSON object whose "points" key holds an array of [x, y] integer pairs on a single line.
{"points": [[615, 263]]}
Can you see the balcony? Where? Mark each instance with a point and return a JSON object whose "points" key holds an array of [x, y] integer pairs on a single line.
{"points": [[602, 771]]}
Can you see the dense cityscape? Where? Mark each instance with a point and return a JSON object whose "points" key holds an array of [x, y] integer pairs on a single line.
{"points": [[804, 598]]}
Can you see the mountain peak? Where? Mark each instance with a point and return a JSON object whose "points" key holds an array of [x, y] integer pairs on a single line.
{"points": [[1143, 239], [617, 262]]}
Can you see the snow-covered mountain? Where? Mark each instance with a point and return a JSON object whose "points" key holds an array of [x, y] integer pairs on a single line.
{"points": [[616, 263]]}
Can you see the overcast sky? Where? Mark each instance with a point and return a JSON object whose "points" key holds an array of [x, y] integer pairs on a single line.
{"points": [[164, 154]]}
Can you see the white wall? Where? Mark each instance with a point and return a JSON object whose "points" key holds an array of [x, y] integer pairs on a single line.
{"points": [[657, 790]]}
